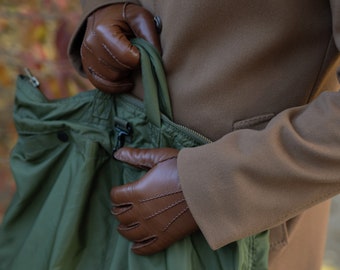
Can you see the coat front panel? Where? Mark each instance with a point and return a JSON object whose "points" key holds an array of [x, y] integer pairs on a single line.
{"points": [[240, 60], [236, 65]]}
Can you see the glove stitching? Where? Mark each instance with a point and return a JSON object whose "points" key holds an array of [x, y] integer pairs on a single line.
{"points": [[115, 58], [175, 218], [94, 73], [87, 47], [89, 28], [165, 209], [102, 61], [160, 196]]}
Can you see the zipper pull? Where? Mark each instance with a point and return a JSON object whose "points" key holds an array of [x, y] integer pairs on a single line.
{"points": [[33, 80], [123, 129]]}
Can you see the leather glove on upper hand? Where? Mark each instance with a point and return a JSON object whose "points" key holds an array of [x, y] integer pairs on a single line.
{"points": [[108, 57], [152, 211]]}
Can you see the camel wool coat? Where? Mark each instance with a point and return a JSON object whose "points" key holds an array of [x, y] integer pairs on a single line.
{"points": [[253, 77]]}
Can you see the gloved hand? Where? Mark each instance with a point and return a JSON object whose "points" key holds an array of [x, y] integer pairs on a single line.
{"points": [[108, 57], [152, 211]]}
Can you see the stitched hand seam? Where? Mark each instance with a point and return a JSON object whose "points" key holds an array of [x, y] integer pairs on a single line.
{"points": [[86, 47], [165, 209], [160, 196], [102, 61], [115, 58], [175, 218]]}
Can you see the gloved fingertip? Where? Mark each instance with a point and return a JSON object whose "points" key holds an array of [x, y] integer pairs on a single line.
{"points": [[131, 156], [120, 154], [116, 154], [118, 195], [146, 246]]}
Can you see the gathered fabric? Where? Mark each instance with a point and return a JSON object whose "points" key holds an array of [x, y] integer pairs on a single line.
{"points": [[62, 164]]}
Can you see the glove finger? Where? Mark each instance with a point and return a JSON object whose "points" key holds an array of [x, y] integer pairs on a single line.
{"points": [[100, 82], [127, 220], [102, 60], [109, 43], [142, 24], [121, 197], [119, 210], [180, 230], [145, 158], [110, 38], [110, 87], [146, 246], [125, 214], [105, 79], [101, 68], [133, 232], [118, 51], [149, 245]]}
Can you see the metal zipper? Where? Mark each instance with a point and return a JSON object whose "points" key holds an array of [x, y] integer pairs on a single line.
{"points": [[190, 132]]}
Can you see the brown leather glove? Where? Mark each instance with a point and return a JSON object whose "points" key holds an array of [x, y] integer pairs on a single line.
{"points": [[108, 57], [152, 211]]}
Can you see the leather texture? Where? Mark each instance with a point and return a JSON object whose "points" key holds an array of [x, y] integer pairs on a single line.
{"points": [[229, 63], [152, 211], [108, 57]]}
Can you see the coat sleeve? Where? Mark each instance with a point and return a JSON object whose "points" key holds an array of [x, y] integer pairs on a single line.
{"points": [[250, 181], [88, 6]]}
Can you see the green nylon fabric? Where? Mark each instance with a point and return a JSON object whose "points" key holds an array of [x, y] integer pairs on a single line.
{"points": [[62, 163]]}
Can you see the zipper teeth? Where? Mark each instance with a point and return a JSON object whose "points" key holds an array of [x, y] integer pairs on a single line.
{"points": [[185, 129], [139, 104]]}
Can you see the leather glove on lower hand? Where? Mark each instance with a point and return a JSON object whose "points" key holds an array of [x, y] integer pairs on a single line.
{"points": [[152, 211], [108, 57]]}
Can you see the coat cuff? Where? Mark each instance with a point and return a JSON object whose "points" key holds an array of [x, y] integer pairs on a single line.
{"points": [[250, 181]]}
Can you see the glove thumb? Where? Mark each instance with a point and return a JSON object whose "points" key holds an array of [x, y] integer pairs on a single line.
{"points": [[145, 158]]}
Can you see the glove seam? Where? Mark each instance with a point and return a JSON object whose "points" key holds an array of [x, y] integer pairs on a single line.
{"points": [[165, 209], [160, 196], [175, 218]]}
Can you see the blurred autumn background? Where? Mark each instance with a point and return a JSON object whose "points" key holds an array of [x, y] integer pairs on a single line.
{"points": [[35, 34]]}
